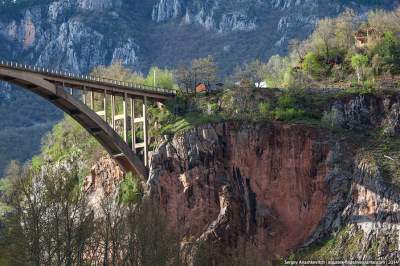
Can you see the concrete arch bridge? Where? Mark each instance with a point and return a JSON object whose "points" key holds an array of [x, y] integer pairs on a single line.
{"points": [[92, 102]]}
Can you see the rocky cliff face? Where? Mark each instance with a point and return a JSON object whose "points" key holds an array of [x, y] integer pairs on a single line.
{"points": [[282, 16], [366, 112], [274, 189], [373, 213], [102, 183], [256, 187], [212, 16], [51, 36]]}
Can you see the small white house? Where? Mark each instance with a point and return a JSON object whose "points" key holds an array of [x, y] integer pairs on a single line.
{"points": [[261, 84]]}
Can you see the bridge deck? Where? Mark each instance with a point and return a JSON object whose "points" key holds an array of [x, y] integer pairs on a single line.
{"points": [[96, 83]]}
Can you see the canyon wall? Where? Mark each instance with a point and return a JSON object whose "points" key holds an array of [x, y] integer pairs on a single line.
{"points": [[275, 189], [257, 187]]}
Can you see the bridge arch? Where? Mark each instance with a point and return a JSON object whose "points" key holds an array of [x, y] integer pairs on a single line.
{"points": [[47, 86]]}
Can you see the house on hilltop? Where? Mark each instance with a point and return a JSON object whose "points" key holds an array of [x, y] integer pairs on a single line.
{"points": [[201, 87], [365, 36]]}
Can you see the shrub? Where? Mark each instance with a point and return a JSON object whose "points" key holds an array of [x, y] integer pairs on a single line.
{"points": [[212, 108], [288, 114], [130, 190], [286, 101], [264, 108], [295, 79], [377, 64], [160, 78], [359, 62], [275, 71], [389, 50]]}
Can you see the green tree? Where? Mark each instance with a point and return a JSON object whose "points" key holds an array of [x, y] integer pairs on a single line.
{"points": [[130, 190], [323, 38], [359, 62], [295, 79], [275, 71], [345, 26], [160, 78], [311, 65], [389, 50]]}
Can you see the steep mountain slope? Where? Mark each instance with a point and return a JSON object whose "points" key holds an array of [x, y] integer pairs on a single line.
{"points": [[77, 35]]}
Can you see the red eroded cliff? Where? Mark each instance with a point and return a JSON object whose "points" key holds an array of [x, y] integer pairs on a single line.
{"points": [[258, 187], [268, 190]]}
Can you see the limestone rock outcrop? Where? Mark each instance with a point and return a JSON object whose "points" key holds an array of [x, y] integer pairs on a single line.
{"points": [[102, 183], [366, 112]]}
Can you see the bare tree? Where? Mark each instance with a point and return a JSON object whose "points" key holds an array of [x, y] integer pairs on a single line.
{"points": [[345, 26], [323, 37], [48, 209], [51, 224], [204, 70], [253, 72], [151, 242], [184, 78]]}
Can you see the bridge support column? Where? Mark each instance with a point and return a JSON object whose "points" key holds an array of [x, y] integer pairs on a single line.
{"points": [[105, 105], [84, 95], [145, 133], [113, 111], [125, 108], [133, 132], [91, 100]]}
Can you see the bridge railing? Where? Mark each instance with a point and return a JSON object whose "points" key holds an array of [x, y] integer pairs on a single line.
{"points": [[80, 77]]}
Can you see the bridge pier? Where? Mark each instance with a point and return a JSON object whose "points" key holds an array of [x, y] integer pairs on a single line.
{"points": [[91, 95], [113, 111], [133, 132], [145, 133], [105, 105], [137, 120], [84, 95], [125, 114]]}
